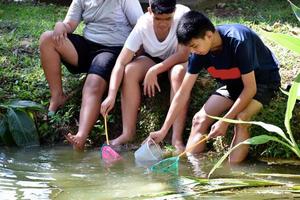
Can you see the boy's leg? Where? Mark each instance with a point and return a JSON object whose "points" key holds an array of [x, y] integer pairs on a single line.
{"points": [[241, 132], [201, 122], [51, 55], [176, 76], [131, 96], [93, 90]]}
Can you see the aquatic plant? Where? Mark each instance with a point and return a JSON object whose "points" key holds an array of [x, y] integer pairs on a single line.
{"points": [[286, 139], [17, 125]]}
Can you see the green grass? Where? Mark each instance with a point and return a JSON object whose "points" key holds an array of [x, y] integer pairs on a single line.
{"points": [[21, 76]]}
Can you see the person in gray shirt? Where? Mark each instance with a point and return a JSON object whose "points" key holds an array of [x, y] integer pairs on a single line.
{"points": [[107, 24]]}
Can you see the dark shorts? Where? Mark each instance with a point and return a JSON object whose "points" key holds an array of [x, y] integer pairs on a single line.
{"points": [[264, 93], [93, 58], [155, 59]]}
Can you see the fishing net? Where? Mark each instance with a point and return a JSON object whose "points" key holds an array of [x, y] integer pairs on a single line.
{"points": [[168, 165], [171, 165], [108, 155]]}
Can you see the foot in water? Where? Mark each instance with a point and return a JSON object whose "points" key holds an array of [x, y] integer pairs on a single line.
{"points": [[77, 141], [122, 139], [179, 148]]}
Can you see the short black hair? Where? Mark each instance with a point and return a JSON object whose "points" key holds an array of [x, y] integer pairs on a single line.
{"points": [[162, 6], [193, 24]]}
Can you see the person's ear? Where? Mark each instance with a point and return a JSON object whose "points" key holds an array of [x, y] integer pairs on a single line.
{"points": [[209, 35]]}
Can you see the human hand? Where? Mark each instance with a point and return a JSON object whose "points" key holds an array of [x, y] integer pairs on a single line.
{"points": [[218, 129], [157, 136], [150, 82], [107, 105], [59, 33]]}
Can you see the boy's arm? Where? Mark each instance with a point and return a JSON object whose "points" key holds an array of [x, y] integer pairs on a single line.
{"points": [[150, 80], [70, 23], [61, 29], [180, 56], [116, 77], [180, 99], [249, 91]]}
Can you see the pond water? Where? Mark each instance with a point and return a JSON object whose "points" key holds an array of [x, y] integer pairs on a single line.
{"points": [[60, 173]]}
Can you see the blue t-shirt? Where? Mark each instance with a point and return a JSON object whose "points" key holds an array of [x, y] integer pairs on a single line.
{"points": [[242, 52]]}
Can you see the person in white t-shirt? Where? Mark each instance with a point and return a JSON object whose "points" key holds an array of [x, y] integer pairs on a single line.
{"points": [[155, 33], [107, 24]]}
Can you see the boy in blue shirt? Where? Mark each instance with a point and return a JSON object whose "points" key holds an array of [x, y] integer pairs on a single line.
{"points": [[239, 60]]}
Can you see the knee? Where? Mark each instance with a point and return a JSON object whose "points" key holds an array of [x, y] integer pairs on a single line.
{"points": [[243, 117], [177, 74], [198, 121], [92, 86], [45, 38], [130, 72]]}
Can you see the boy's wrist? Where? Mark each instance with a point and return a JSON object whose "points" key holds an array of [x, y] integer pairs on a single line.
{"points": [[66, 27]]}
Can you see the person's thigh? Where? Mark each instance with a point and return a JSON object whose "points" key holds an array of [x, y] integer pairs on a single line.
{"points": [[77, 59], [214, 106], [102, 64], [177, 72], [252, 109], [137, 69]]}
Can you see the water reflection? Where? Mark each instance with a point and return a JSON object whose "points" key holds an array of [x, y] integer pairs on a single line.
{"points": [[60, 173]]}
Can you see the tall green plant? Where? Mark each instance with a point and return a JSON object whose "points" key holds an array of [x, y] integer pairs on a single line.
{"points": [[17, 126], [287, 139]]}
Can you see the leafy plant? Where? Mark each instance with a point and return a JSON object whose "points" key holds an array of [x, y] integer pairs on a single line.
{"points": [[290, 42], [296, 9], [287, 138], [17, 124]]}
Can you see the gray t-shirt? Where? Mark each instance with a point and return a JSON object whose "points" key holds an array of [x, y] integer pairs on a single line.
{"points": [[107, 22]]}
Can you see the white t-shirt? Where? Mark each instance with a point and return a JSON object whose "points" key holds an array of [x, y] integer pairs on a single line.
{"points": [[107, 22], [143, 35]]}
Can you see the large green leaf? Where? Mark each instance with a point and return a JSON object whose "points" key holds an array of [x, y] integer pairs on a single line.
{"points": [[22, 128], [261, 139], [287, 41], [296, 10], [268, 127], [293, 94], [30, 105], [5, 135]]}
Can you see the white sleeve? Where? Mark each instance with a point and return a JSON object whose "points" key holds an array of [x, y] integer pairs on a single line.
{"points": [[133, 10], [75, 11], [134, 40]]}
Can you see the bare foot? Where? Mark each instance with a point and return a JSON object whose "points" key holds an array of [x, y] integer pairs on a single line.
{"points": [[55, 103], [122, 139], [179, 147], [77, 141]]}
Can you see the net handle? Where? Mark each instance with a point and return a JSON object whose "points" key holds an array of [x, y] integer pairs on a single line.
{"points": [[105, 127], [194, 145]]}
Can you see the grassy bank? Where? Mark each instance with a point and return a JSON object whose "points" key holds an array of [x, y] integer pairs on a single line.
{"points": [[21, 76]]}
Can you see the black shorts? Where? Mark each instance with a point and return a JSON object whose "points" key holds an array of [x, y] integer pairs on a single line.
{"points": [[154, 59], [264, 93], [93, 58]]}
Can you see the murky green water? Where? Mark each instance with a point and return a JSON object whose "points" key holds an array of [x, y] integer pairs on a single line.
{"points": [[60, 173]]}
